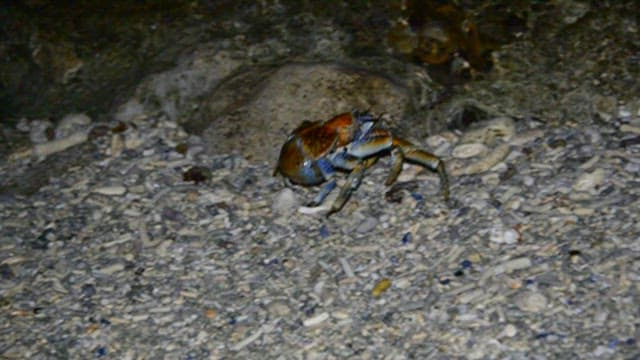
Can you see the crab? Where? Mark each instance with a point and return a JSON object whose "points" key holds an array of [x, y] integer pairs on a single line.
{"points": [[350, 142]]}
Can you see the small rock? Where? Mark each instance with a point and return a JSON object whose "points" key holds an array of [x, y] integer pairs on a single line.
{"points": [[528, 180], [629, 128], [501, 235], [278, 309], [481, 164], [58, 145], [117, 144], [590, 181], [71, 124], [116, 190], [602, 350], [88, 290], [465, 151], [440, 144], [531, 301], [516, 264], [39, 131], [509, 331], [112, 269], [367, 225], [499, 128], [285, 202], [381, 287], [316, 319]]}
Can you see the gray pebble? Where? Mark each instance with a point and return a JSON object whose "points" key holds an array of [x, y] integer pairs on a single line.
{"points": [[367, 225], [531, 301]]}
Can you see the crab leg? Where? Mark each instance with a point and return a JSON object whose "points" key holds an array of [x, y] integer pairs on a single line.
{"points": [[405, 150], [352, 183], [328, 173], [370, 145], [325, 190]]}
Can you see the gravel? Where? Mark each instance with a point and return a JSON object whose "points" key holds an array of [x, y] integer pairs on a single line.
{"points": [[536, 256]]}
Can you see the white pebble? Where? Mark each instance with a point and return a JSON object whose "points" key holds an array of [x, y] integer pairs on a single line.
{"points": [[112, 269], [509, 266], [52, 147], [623, 112], [531, 301], [318, 319], [483, 163], [465, 151], [501, 235], [528, 180], [116, 190], [285, 202], [630, 128], [589, 181], [602, 351], [498, 128], [509, 331]]}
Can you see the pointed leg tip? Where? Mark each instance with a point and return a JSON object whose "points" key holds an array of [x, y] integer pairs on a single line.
{"points": [[330, 212]]}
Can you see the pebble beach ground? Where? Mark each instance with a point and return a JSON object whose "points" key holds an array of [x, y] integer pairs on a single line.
{"points": [[536, 255]]}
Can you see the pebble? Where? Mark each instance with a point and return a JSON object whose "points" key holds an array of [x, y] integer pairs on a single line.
{"points": [[531, 301], [117, 145], [380, 287], [367, 225], [38, 131], [116, 190], [509, 331], [285, 202], [501, 235], [499, 128], [71, 124], [112, 269], [52, 147], [278, 308], [629, 128], [590, 181], [465, 151], [316, 320], [482, 164]]}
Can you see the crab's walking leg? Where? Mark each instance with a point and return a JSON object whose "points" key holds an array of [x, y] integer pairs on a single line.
{"points": [[328, 173], [405, 150], [352, 183]]}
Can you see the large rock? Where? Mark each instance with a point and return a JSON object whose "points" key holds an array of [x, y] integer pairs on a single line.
{"points": [[253, 112]]}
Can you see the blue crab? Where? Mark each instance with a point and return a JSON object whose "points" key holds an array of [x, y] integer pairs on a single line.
{"points": [[349, 142]]}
